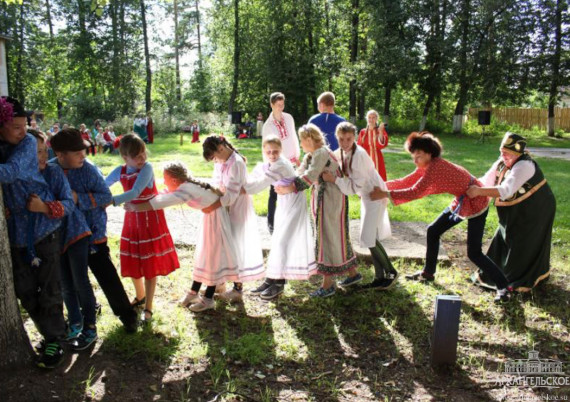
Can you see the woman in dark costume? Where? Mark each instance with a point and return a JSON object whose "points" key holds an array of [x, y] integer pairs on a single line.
{"points": [[526, 207]]}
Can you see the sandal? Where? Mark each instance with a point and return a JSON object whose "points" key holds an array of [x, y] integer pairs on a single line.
{"points": [[136, 303], [144, 319]]}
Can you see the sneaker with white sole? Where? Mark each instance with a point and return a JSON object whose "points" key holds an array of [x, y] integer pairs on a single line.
{"points": [[202, 304], [272, 292], [350, 281], [85, 339], [188, 299], [262, 288], [322, 292], [51, 356], [231, 296]]}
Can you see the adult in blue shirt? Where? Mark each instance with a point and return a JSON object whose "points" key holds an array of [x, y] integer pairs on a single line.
{"points": [[327, 119]]}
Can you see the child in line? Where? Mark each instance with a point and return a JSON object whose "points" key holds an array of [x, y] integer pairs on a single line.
{"points": [[329, 206], [361, 177], [34, 238], [147, 249], [292, 254], [215, 260], [91, 196], [230, 175], [76, 287]]}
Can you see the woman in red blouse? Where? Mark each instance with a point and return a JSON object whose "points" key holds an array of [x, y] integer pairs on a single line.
{"points": [[435, 175], [373, 139]]}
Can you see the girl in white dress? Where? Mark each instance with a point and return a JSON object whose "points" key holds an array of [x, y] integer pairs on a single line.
{"points": [[215, 260], [230, 175], [361, 177], [292, 254]]}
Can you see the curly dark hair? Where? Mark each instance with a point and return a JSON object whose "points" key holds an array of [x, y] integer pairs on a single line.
{"points": [[423, 141]]}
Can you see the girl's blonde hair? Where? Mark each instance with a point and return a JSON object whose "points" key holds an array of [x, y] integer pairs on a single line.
{"points": [[310, 131], [178, 171], [374, 112], [272, 139], [131, 145]]}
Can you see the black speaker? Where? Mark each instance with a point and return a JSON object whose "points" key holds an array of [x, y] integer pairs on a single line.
{"points": [[484, 117], [236, 117]]}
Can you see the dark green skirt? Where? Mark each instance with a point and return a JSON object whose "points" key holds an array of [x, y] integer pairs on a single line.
{"points": [[521, 245]]}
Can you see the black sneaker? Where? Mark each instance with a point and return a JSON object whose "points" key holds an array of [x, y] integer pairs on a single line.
{"points": [[263, 287], [51, 356], [85, 339], [421, 276], [390, 281], [272, 292]]}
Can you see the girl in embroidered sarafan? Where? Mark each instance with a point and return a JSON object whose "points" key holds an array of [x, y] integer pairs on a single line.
{"points": [[147, 249], [526, 207], [373, 139], [435, 175], [329, 206], [230, 175], [215, 260]]}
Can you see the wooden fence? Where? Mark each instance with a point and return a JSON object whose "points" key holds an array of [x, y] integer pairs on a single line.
{"points": [[529, 118]]}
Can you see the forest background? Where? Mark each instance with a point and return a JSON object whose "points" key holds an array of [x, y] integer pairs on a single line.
{"points": [[419, 63]]}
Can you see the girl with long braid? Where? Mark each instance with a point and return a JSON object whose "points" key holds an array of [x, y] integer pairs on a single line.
{"points": [[215, 260], [230, 175], [360, 177]]}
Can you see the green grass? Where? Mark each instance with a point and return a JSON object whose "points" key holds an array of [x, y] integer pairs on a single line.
{"points": [[359, 346]]}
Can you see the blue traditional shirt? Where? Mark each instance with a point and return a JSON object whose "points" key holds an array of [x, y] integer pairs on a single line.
{"points": [[74, 227], [327, 122], [20, 177], [93, 196], [144, 179]]}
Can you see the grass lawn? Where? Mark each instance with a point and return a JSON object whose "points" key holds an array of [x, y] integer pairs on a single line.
{"points": [[360, 346]]}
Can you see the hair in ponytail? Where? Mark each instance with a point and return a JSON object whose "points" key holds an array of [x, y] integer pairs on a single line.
{"points": [[178, 171], [211, 144]]}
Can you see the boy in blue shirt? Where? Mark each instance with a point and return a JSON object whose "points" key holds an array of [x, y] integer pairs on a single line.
{"points": [[327, 119], [91, 196], [34, 237]]}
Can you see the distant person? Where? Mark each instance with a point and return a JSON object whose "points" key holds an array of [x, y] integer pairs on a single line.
{"points": [[327, 119], [282, 126], [139, 127], [149, 128], [195, 128], [373, 139], [259, 126]]}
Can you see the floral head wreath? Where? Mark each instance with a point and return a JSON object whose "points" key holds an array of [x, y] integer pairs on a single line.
{"points": [[6, 111]]}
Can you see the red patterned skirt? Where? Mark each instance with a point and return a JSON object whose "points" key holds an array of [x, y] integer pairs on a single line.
{"points": [[147, 249]]}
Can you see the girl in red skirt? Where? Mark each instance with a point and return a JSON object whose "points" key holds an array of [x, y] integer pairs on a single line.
{"points": [[147, 249]]}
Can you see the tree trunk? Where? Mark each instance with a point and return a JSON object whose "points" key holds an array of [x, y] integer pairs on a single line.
{"points": [[14, 343], [463, 83], [555, 79], [312, 79], [59, 103], [233, 95], [19, 87], [177, 52], [353, 58], [427, 107], [199, 38], [387, 100], [147, 59]]}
